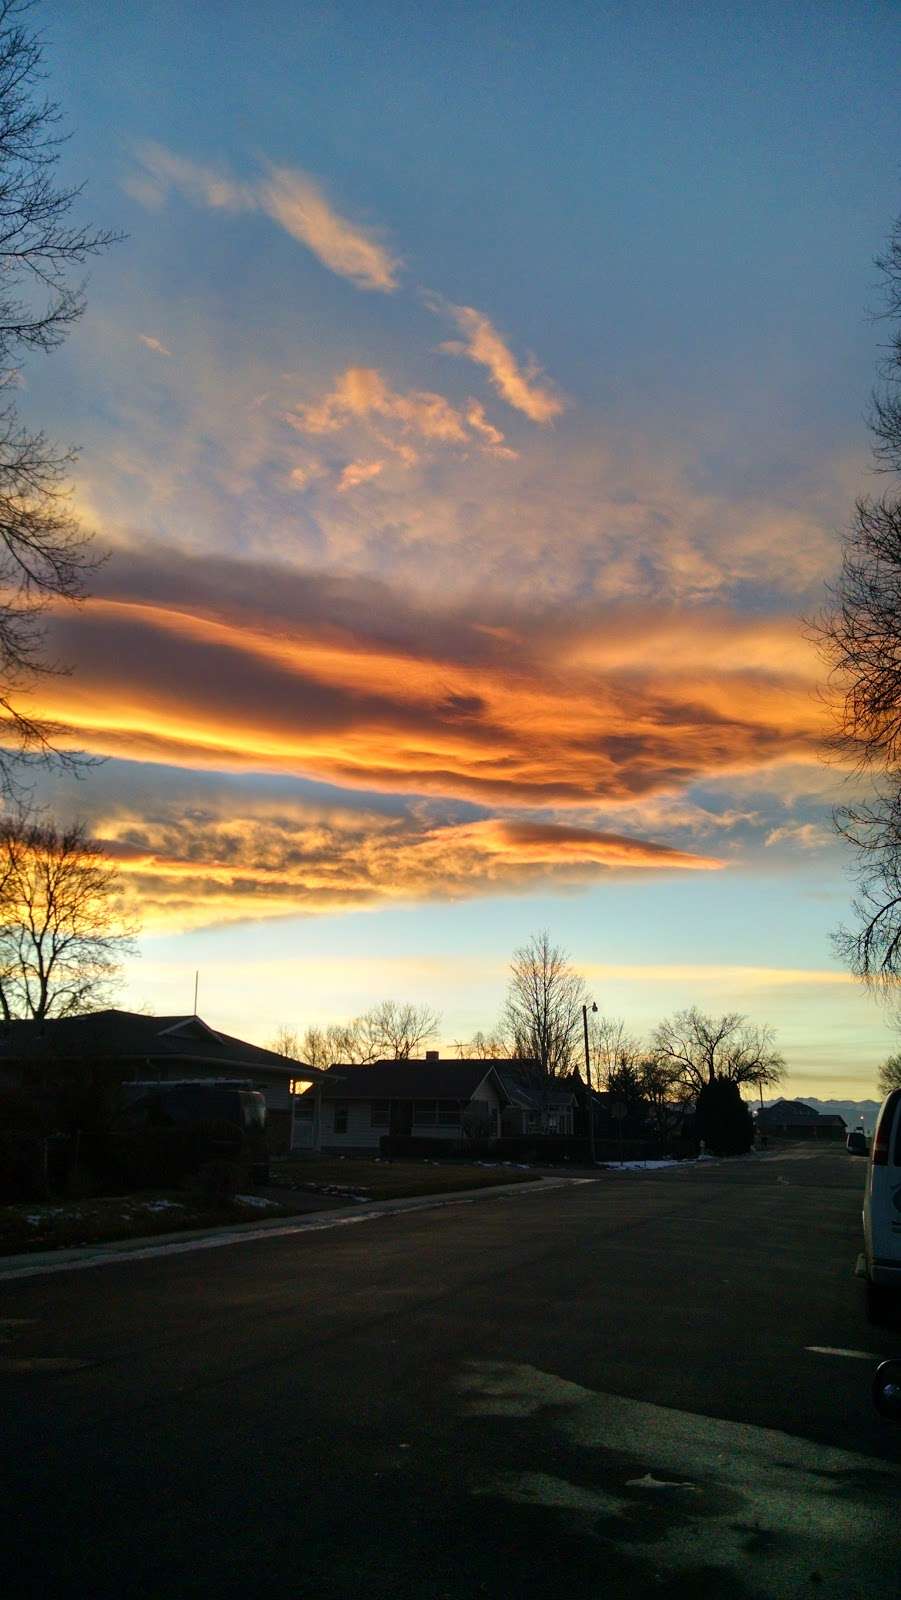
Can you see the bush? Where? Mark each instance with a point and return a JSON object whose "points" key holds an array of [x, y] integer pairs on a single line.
{"points": [[22, 1167], [723, 1120]]}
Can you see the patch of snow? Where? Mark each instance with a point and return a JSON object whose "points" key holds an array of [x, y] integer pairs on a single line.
{"points": [[35, 1221], [646, 1166], [650, 1482], [254, 1200], [161, 1205]]}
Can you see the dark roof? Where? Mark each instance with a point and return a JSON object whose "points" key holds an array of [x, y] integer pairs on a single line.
{"points": [[131, 1036], [786, 1112], [524, 1087], [408, 1080]]}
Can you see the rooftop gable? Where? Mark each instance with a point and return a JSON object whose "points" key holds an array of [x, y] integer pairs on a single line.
{"points": [[415, 1079]]}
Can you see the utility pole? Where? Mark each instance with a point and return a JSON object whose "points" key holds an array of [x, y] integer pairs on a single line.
{"points": [[588, 1082]]}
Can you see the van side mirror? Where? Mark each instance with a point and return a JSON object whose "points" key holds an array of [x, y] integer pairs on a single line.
{"points": [[887, 1389]]}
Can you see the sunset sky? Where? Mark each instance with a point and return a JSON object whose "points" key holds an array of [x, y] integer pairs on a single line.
{"points": [[471, 413]]}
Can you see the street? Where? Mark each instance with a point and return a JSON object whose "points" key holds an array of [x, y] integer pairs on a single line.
{"points": [[649, 1383]]}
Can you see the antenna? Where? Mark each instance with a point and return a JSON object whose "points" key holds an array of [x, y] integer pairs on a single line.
{"points": [[196, 981]]}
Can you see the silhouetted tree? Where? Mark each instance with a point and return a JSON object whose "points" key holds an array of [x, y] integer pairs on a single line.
{"points": [[44, 554], [543, 1009], [610, 1046], [664, 1094], [700, 1049], [890, 1075], [722, 1119], [62, 932], [482, 1046], [860, 637], [389, 1031], [286, 1042]]}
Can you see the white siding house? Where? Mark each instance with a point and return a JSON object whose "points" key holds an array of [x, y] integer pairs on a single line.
{"points": [[426, 1099]]}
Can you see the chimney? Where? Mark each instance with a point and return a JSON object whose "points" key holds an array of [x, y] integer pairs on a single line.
{"points": [[432, 1055]]}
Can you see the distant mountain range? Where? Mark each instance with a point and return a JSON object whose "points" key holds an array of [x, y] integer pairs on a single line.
{"points": [[853, 1111]]}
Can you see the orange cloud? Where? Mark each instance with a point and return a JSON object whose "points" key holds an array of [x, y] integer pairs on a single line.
{"points": [[235, 666], [190, 867], [154, 344], [361, 394], [357, 472], [293, 200], [288, 196], [484, 345]]}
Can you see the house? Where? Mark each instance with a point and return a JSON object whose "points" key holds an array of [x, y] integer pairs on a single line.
{"points": [[536, 1105], [793, 1119], [428, 1098], [116, 1046]]}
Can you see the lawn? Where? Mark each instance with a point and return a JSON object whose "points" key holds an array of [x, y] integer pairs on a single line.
{"points": [[373, 1178], [50, 1225]]}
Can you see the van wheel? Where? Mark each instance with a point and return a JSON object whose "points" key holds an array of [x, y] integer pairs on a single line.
{"points": [[881, 1304]]}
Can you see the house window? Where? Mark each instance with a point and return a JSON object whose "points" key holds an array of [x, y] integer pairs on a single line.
{"points": [[436, 1113], [380, 1114], [340, 1123]]}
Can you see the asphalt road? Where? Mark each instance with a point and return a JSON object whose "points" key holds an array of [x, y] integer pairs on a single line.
{"points": [[648, 1384]]}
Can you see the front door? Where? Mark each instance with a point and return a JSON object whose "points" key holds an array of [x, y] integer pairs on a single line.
{"points": [[401, 1119]]}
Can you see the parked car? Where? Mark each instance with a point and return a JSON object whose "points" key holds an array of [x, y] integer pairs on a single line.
{"points": [[887, 1389], [882, 1211], [857, 1142], [164, 1131]]}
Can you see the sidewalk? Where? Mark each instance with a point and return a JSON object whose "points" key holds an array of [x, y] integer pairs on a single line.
{"points": [[36, 1263]]}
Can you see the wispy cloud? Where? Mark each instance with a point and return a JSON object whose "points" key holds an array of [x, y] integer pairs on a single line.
{"points": [[802, 835], [361, 394], [290, 197], [526, 388], [154, 344], [357, 472]]}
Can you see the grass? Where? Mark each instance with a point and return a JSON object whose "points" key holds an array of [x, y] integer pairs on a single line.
{"points": [[389, 1180], [54, 1225]]}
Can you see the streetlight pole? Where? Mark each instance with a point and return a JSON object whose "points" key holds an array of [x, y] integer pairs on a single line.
{"points": [[588, 1082]]}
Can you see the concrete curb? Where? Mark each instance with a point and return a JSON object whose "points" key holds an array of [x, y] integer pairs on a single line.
{"points": [[28, 1264]]}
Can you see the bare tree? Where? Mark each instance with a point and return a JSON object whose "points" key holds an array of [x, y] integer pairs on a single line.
{"points": [[396, 1031], [285, 1042], [890, 1074], [885, 418], [390, 1031], [542, 1012], [859, 635], [663, 1093], [699, 1049], [491, 1046], [610, 1047], [62, 932], [44, 554]]}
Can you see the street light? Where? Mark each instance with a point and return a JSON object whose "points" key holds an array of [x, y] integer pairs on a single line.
{"points": [[588, 1081]]}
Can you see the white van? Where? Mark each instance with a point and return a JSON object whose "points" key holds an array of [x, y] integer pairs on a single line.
{"points": [[882, 1211]]}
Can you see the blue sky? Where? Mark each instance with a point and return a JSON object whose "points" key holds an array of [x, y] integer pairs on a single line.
{"points": [[471, 412]]}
